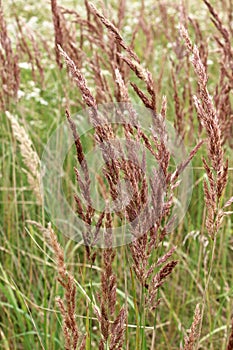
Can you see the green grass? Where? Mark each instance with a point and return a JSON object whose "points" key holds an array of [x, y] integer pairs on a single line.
{"points": [[29, 317]]}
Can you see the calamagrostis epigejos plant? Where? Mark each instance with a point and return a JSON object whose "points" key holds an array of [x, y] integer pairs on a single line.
{"points": [[57, 29], [64, 34], [113, 332], [150, 276], [208, 115], [223, 90], [67, 305], [30, 157], [143, 247], [28, 42], [217, 171], [190, 341], [9, 69]]}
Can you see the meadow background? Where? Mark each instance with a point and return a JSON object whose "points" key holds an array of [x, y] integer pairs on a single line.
{"points": [[37, 92]]}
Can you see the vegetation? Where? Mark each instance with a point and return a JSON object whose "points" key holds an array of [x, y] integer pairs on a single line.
{"points": [[150, 179]]}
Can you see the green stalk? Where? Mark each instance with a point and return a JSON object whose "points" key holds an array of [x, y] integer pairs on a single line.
{"points": [[205, 294], [142, 319]]}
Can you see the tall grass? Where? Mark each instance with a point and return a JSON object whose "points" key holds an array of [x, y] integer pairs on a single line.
{"points": [[167, 288]]}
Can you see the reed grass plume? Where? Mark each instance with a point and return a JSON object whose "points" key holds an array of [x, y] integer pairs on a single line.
{"points": [[67, 305], [9, 68], [113, 331], [150, 277], [29, 155], [143, 255], [208, 115], [190, 341]]}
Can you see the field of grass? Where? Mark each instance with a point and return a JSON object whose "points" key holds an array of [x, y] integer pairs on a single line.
{"points": [[167, 289]]}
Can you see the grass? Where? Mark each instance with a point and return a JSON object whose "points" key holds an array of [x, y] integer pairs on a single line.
{"points": [[29, 315]]}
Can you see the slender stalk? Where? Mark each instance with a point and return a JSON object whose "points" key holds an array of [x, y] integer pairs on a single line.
{"points": [[205, 294]]}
